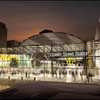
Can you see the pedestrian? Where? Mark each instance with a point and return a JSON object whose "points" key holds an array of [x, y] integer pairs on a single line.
{"points": [[73, 76], [26, 74], [89, 77], [81, 74]]}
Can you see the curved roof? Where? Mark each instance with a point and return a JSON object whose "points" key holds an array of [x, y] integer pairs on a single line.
{"points": [[52, 38]]}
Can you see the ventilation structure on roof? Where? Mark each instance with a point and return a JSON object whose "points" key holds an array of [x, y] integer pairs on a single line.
{"points": [[45, 31]]}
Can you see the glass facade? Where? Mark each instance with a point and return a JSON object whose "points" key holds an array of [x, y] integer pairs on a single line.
{"points": [[68, 63]]}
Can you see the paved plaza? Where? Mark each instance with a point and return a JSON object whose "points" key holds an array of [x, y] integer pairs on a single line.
{"points": [[40, 90]]}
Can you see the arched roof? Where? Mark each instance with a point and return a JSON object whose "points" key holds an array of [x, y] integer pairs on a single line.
{"points": [[52, 38]]}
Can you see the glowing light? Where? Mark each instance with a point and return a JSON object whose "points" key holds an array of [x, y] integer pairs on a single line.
{"points": [[6, 57], [70, 60], [23, 60]]}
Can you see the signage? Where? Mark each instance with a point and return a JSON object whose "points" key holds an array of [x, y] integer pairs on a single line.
{"points": [[67, 54]]}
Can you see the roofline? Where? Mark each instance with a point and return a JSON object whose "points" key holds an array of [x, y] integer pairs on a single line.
{"points": [[54, 32]]}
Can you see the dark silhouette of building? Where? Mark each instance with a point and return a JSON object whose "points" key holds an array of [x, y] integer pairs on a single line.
{"points": [[3, 35], [13, 43]]}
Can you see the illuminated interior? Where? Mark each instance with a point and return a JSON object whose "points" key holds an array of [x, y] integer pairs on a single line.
{"points": [[46, 59], [21, 60]]}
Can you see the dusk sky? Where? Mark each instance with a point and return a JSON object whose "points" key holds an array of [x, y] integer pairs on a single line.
{"points": [[25, 18]]}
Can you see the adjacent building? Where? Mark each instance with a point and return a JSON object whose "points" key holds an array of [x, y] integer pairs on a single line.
{"points": [[3, 34]]}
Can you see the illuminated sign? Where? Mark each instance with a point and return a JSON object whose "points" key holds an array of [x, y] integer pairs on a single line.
{"points": [[67, 54]]}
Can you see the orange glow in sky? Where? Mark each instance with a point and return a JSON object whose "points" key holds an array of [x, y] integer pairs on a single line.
{"points": [[24, 19]]}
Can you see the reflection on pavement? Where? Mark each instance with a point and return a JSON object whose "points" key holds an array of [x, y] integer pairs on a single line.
{"points": [[3, 87]]}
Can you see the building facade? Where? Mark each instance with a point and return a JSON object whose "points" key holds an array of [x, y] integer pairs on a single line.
{"points": [[51, 54], [3, 35]]}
